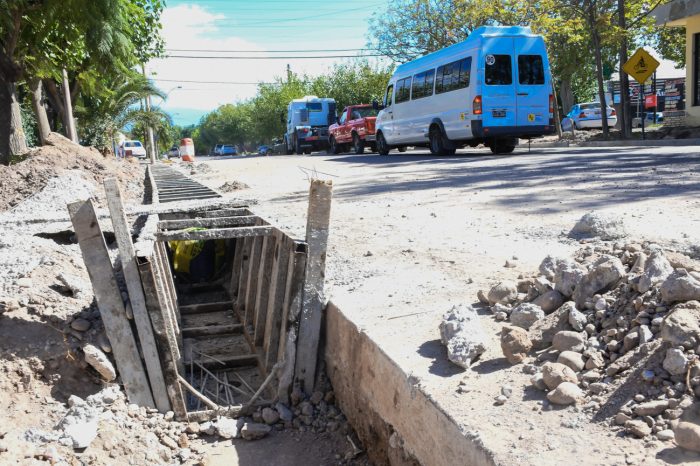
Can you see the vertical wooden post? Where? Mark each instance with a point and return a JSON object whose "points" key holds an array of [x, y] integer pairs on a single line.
{"points": [[317, 225], [243, 279], [265, 282], [136, 296], [109, 301], [274, 318], [252, 289], [169, 356]]}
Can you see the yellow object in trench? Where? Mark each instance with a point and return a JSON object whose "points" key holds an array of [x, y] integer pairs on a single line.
{"points": [[185, 251]]}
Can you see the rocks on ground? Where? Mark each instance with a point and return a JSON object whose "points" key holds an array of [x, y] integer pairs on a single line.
{"points": [[621, 310]]}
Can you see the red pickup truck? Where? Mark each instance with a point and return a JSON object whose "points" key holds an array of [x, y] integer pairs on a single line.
{"points": [[355, 128]]}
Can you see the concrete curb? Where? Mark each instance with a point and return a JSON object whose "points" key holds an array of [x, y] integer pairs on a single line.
{"points": [[545, 145], [642, 143]]}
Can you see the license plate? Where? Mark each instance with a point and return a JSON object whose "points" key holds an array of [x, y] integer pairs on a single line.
{"points": [[498, 113]]}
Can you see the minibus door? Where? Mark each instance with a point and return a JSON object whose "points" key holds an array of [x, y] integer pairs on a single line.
{"points": [[532, 85], [498, 90]]}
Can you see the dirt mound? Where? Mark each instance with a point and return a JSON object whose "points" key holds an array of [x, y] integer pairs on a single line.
{"points": [[231, 186], [29, 176]]}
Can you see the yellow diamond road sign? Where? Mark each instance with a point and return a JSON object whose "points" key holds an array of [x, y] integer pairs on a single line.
{"points": [[641, 65]]}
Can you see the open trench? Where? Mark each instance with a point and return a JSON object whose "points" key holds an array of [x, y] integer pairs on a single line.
{"points": [[236, 314]]}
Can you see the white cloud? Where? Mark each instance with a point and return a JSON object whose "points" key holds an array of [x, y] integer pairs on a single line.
{"points": [[191, 26]]}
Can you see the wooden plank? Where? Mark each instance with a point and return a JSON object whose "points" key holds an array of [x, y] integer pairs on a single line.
{"points": [[274, 322], [265, 278], [166, 344], [246, 220], [165, 275], [220, 233], [314, 300], [136, 296], [206, 307], [292, 309], [252, 290], [209, 330], [243, 278], [229, 361], [109, 301], [202, 213], [236, 267]]}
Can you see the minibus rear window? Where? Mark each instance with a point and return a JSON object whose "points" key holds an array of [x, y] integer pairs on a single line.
{"points": [[499, 70], [314, 106], [530, 69]]}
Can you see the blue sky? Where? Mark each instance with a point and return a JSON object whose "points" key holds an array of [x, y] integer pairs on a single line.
{"points": [[258, 26]]}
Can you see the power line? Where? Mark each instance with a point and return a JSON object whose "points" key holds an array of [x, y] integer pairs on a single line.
{"points": [[208, 82], [270, 51], [287, 57]]}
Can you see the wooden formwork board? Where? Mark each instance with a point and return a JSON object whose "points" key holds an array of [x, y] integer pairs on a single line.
{"points": [[110, 303]]}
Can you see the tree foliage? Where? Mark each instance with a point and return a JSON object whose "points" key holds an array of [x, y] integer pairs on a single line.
{"points": [[260, 118]]}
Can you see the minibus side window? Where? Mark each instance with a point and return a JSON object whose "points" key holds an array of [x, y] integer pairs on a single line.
{"points": [[389, 94], [499, 70], [429, 80], [423, 84], [418, 85], [465, 70], [530, 69], [453, 76], [403, 90]]}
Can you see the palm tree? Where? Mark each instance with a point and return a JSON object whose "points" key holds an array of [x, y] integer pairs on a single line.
{"points": [[114, 105]]}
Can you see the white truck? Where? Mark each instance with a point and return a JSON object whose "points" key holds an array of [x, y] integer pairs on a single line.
{"points": [[307, 122]]}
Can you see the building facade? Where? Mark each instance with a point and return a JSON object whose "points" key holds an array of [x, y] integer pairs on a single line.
{"points": [[686, 13]]}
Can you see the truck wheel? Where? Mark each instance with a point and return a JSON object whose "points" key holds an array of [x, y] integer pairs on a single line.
{"points": [[382, 146], [358, 145], [297, 146], [437, 144], [402, 149], [334, 149], [287, 147]]}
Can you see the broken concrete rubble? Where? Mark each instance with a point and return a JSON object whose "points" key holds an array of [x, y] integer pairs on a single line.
{"points": [[461, 332], [599, 225]]}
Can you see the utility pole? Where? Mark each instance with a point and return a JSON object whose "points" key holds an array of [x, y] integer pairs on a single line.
{"points": [[149, 130], [289, 73], [70, 123], [625, 113]]}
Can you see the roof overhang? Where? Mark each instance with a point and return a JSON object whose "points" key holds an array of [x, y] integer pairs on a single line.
{"points": [[676, 12]]}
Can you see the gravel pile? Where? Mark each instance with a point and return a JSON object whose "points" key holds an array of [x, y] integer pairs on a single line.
{"points": [[614, 330]]}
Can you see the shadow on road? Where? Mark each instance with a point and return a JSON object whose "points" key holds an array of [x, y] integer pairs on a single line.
{"points": [[537, 182]]}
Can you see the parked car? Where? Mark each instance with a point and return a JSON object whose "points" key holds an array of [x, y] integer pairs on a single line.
{"points": [[355, 128], [173, 152], [278, 147], [133, 148], [228, 149], [217, 149], [491, 89], [648, 119], [588, 115], [263, 150]]}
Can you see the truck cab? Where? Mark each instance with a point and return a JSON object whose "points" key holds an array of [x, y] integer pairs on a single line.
{"points": [[308, 120], [355, 128]]}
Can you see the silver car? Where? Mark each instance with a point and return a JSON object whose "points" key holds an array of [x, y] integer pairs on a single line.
{"points": [[588, 115]]}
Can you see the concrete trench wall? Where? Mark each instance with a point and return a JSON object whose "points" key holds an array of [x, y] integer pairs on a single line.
{"points": [[398, 423]]}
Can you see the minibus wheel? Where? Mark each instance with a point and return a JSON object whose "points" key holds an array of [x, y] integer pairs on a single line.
{"points": [[437, 144], [382, 147], [500, 146]]}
